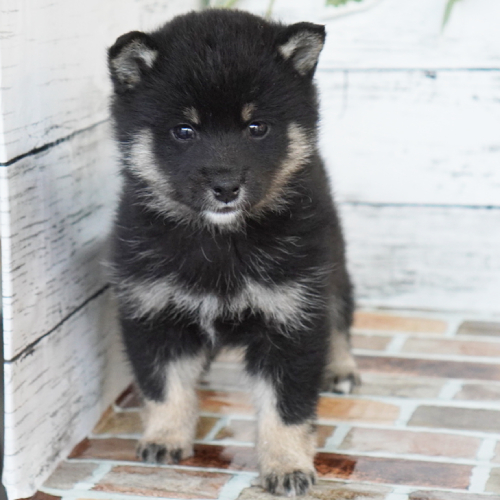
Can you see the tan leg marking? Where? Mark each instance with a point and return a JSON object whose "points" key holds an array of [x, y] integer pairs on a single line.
{"points": [[170, 425], [341, 372], [285, 452]]}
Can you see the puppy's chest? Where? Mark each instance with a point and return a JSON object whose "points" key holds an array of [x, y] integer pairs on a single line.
{"points": [[226, 284]]}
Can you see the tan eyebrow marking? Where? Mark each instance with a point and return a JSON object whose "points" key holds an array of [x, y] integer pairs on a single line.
{"points": [[246, 112], [192, 115]]}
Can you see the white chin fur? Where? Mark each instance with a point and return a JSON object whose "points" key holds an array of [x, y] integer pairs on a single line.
{"points": [[222, 218]]}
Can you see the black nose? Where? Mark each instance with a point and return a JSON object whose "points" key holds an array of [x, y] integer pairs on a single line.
{"points": [[226, 191]]}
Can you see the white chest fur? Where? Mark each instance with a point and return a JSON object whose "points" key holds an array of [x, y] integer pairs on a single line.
{"points": [[283, 304]]}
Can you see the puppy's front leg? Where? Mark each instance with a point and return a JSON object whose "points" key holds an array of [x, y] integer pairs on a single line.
{"points": [[170, 423], [286, 387], [286, 451], [167, 362]]}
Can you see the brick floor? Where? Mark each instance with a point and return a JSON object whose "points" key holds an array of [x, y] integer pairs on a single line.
{"points": [[161, 482], [414, 443], [425, 425]]}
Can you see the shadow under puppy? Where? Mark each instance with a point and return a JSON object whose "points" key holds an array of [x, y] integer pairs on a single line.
{"points": [[226, 233]]}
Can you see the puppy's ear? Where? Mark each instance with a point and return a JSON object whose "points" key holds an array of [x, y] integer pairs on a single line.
{"points": [[301, 43], [130, 58]]}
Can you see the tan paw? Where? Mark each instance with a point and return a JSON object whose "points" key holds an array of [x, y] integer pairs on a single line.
{"points": [[289, 484], [158, 453]]}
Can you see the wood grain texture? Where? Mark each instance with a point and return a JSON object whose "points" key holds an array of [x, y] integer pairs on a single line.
{"points": [[58, 184], [53, 63], [57, 393], [424, 257], [413, 137], [56, 219], [399, 33]]}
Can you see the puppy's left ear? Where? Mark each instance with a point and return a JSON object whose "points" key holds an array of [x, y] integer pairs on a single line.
{"points": [[301, 43]]}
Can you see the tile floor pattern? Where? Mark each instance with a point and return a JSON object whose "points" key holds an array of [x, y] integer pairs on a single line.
{"points": [[425, 425]]}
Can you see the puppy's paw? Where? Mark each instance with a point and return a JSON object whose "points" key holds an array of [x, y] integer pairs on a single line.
{"points": [[157, 453], [289, 484], [341, 379]]}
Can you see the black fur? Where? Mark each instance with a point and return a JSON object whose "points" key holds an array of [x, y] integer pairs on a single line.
{"points": [[216, 62]]}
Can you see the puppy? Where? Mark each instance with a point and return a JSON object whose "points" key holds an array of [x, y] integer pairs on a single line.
{"points": [[226, 233]]}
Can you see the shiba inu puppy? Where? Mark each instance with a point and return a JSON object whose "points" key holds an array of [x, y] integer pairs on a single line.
{"points": [[226, 233]]}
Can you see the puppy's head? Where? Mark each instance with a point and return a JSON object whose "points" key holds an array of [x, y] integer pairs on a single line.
{"points": [[216, 111]]}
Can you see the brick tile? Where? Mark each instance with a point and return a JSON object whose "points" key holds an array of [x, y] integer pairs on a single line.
{"points": [[459, 347], [226, 402], [419, 443], [393, 471], [446, 495], [424, 367], [106, 449], [68, 474], [204, 426], [130, 398], [357, 410], [496, 458], [119, 423], [479, 328], [223, 457], [400, 386], [323, 433], [493, 484], [245, 431], [479, 392], [219, 457], [371, 342], [238, 430], [456, 418], [162, 482], [326, 490], [389, 322], [130, 423]]}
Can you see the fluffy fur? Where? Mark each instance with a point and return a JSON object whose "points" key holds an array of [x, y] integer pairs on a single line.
{"points": [[226, 233]]}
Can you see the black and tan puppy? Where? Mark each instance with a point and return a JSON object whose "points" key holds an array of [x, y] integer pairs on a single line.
{"points": [[226, 234]]}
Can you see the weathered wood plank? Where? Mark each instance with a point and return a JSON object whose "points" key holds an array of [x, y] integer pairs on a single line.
{"points": [[399, 33], [57, 209], [424, 257], [411, 137], [53, 64], [55, 395]]}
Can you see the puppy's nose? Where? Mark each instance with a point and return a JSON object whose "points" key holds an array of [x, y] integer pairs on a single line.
{"points": [[226, 191]]}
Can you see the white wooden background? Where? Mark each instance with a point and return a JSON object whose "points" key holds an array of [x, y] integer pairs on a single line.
{"points": [[58, 185], [411, 134]]}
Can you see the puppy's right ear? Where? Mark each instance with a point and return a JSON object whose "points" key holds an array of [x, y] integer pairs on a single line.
{"points": [[130, 58]]}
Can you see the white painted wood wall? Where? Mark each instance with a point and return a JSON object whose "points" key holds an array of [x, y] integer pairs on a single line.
{"points": [[58, 184], [411, 134]]}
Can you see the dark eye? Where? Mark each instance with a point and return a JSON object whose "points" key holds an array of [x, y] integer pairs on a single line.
{"points": [[258, 129], [183, 132]]}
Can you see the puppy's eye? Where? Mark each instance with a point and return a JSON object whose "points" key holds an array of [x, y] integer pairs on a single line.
{"points": [[183, 132], [258, 129]]}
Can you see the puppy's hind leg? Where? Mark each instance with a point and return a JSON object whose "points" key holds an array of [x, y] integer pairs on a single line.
{"points": [[341, 374]]}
